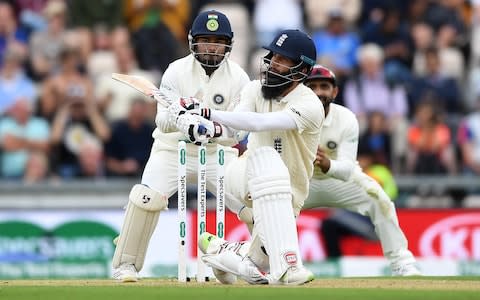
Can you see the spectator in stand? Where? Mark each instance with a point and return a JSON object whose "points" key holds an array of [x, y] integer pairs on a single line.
{"points": [[317, 11], [66, 84], [337, 46], [392, 34], [128, 149], [88, 14], [269, 18], [146, 22], [45, 46], [430, 150], [101, 60], [37, 168], [14, 85], [443, 89], [10, 32], [369, 91], [376, 139], [114, 97], [468, 137], [30, 14], [21, 134], [78, 132]]}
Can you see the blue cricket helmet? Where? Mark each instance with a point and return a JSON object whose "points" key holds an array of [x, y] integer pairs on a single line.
{"points": [[211, 22], [296, 45]]}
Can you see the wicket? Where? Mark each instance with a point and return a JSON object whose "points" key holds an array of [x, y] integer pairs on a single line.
{"points": [[201, 204]]}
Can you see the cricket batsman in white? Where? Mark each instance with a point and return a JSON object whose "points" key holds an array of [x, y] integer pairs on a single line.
{"points": [[216, 82], [338, 181], [272, 176]]}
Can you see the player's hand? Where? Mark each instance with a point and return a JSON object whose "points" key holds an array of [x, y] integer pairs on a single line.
{"points": [[322, 160], [180, 107], [204, 112], [197, 129]]}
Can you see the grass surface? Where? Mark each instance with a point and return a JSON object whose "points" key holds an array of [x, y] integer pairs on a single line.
{"points": [[424, 288]]}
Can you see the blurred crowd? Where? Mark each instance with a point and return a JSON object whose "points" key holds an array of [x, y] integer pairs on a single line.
{"points": [[409, 70]]}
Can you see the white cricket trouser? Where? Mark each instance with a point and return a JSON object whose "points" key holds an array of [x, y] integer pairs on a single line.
{"points": [[352, 195], [161, 170]]}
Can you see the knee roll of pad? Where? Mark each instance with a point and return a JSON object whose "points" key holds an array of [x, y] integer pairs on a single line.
{"points": [[267, 173], [147, 199]]}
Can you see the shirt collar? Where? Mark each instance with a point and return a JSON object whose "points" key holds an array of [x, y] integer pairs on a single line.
{"points": [[293, 93], [329, 119]]}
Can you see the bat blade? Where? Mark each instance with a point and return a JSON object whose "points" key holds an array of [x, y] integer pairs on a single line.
{"points": [[142, 85], [137, 82]]}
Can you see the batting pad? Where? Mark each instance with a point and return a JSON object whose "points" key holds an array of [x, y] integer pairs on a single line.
{"points": [[141, 217], [269, 185]]}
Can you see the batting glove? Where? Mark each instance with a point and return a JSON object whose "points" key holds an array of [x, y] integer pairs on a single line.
{"points": [[204, 112], [180, 107], [197, 129]]}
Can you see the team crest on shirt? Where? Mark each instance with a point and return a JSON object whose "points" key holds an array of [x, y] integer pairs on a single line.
{"points": [[331, 145], [277, 144], [218, 99]]}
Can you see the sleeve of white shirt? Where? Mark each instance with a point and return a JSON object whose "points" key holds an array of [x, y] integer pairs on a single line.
{"points": [[342, 168], [245, 118], [306, 114]]}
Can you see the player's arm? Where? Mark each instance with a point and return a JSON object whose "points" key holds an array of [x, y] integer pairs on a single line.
{"points": [[343, 167], [296, 116], [252, 121]]}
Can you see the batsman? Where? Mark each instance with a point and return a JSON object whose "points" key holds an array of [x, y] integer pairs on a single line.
{"points": [[271, 178], [205, 78]]}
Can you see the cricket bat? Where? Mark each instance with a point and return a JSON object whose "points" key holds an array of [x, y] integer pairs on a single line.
{"points": [[144, 86]]}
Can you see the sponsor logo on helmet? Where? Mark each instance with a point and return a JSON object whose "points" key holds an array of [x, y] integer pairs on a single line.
{"points": [[218, 99], [281, 39], [291, 258]]}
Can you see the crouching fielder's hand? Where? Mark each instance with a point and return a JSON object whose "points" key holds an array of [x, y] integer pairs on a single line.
{"points": [[197, 129]]}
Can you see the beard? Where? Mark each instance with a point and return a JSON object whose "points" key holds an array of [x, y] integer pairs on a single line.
{"points": [[326, 101], [210, 60], [271, 93]]}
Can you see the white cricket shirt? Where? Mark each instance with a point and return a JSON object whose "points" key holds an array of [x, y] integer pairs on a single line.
{"points": [[185, 77]]}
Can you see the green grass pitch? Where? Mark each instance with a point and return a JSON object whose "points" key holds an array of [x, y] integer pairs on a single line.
{"points": [[371, 288]]}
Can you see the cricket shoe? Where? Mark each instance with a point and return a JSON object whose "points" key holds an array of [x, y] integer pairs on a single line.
{"points": [[408, 269], [294, 275], [230, 260], [125, 273], [209, 243]]}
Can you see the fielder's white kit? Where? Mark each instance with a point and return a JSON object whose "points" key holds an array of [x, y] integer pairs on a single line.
{"points": [[184, 77], [346, 185]]}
